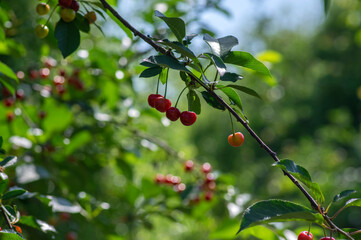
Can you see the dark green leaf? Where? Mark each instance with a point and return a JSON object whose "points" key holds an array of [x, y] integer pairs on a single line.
{"points": [[9, 161], [68, 37], [180, 48], [212, 101], [221, 46], [166, 61], [277, 211], [148, 64], [2, 151], [326, 5], [120, 24], [231, 77], [302, 175], [36, 223], [194, 104], [354, 202], [10, 235], [184, 77], [233, 96], [6, 71], [13, 194], [343, 195], [4, 182], [82, 23], [1, 141], [245, 59], [151, 72], [245, 90], [176, 25], [218, 63]]}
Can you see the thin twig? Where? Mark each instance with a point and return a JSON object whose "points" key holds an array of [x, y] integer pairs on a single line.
{"points": [[7, 220], [273, 154]]}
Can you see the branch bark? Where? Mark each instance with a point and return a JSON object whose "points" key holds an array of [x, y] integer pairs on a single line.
{"points": [[273, 154]]}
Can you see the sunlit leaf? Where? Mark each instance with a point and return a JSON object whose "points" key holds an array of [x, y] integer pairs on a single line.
{"points": [[180, 48], [194, 104], [218, 63], [8, 234], [9, 161], [31, 221], [277, 211], [246, 90], [343, 194], [4, 182], [220, 46], [233, 96], [6, 71], [176, 25]]}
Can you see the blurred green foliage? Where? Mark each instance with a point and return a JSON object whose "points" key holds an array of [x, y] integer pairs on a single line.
{"points": [[99, 146]]}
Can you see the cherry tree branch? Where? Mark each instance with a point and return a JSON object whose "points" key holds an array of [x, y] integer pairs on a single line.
{"points": [[273, 154]]}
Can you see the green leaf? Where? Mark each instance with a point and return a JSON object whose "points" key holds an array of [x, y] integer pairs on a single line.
{"points": [[82, 23], [218, 63], [9, 161], [13, 194], [2, 35], [354, 202], [10, 235], [220, 46], [9, 84], [245, 59], [1, 141], [212, 101], [120, 24], [233, 96], [180, 48], [68, 37], [77, 141], [194, 103], [36, 223], [326, 5], [176, 25], [277, 211], [245, 90], [231, 77], [184, 77], [4, 182], [343, 195], [151, 72], [5, 70], [166, 61], [164, 75], [302, 175]]}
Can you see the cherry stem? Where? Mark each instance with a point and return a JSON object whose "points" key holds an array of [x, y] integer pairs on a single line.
{"points": [[337, 213], [230, 117], [176, 103], [309, 229], [158, 84], [51, 14], [355, 232], [166, 83]]}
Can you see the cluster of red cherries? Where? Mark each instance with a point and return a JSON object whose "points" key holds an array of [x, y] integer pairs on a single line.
{"points": [[207, 184], [163, 104], [306, 235]]}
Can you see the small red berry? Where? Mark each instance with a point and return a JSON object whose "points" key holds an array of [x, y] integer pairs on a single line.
{"points": [[173, 114], [188, 165], [176, 180], [10, 116], [91, 16], [50, 62], [20, 75], [65, 3], [60, 89], [210, 178], [33, 74], [75, 5], [18, 229], [62, 72], [20, 94], [64, 216], [71, 236], [41, 114], [180, 187], [162, 104], [58, 80], [208, 196], [327, 238], [8, 102], [206, 168], [151, 99], [44, 73], [236, 139], [159, 178], [211, 186], [305, 235], [188, 118]]}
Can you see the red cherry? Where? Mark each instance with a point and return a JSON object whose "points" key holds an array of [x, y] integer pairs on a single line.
{"points": [[44, 73], [71, 236], [173, 114], [162, 104], [8, 102], [211, 186], [176, 180], [327, 238], [20, 94], [236, 139], [50, 62], [206, 168], [33, 74], [41, 114], [58, 80], [64, 216], [180, 187], [74, 5], [188, 165], [60, 89], [65, 3], [10, 116], [169, 178], [20, 75], [159, 178], [305, 235], [62, 72], [151, 99], [188, 118], [210, 178], [208, 196]]}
